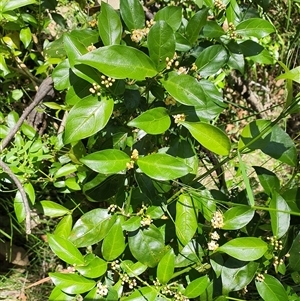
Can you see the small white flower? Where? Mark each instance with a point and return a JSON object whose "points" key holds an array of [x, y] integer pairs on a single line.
{"points": [[212, 245], [214, 235]]}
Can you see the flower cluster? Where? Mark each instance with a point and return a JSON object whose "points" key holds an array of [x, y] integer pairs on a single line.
{"points": [[134, 157], [260, 277], [146, 221], [91, 48], [217, 220], [107, 81], [277, 244], [219, 5], [112, 208], [277, 261], [231, 31], [171, 62], [212, 245], [126, 279], [102, 289], [169, 291], [179, 118], [180, 297], [96, 89], [138, 34], [115, 265], [170, 101]]}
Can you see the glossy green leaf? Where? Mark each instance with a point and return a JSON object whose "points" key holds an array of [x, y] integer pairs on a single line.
{"points": [[65, 170], [172, 15], [254, 27], [244, 248], [109, 25], [133, 269], [163, 167], [237, 217], [19, 207], [165, 268], [107, 161], [182, 43], [146, 293], [237, 274], [294, 260], [61, 75], [53, 209], [161, 44], [65, 250], [212, 30], [64, 227], [250, 48], [93, 267], [273, 141], [72, 283], [3, 67], [267, 179], [132, 224], [196, 287], [114, 243], [191, 254], [154, 121], [132, 14], [209, 136], [91, 227], [117, 61], [9, 5], [147, 245], [195, 25], [211, 60], [186, 219], [280, 221], [271, 289], [58, 295], [293, 74], [87, 117], [74, 48], [25, 36], [236, 61]]}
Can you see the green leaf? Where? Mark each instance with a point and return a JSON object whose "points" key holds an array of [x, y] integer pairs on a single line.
{"points": [[58, 294], [61, 75], [250, 48], [117, 61], [133, 269], [293, 74], [209, 136], [267, 179], [74, 48], [196, 287], [109, 25], [93, 267], [87, 117], [53, 209], [237, 217], [9, 5], [65, 250], [273, 141], [211, 60], [165, 268], [114, 243], [107, 161], [63, 228], [163, 167], [237, 274], [186, 219], [244, 248], [213, 30], [294, 259], [65, 170], [147, 245], [146, 293], [19, 207], [170, 14], [154, 121], [25, 36], [195, 25], [3, 67], [132, 224], [271, 289], [280, 221], [72, 283], [191, 254], [91, 228], [161, 44], [254, 27], [132, 14]]}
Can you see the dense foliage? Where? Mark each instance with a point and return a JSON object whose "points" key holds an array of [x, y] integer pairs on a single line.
{"points": [[137, 112]]}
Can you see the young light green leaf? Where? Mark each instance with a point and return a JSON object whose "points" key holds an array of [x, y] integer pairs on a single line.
{"points": [[161, 44], [15, 4], [132, 224], [195, 25], [109, 25], [170, 14], [93, 267], [146, 293], [154, 121], [88, 117], [165, 268], [186, 219], [91, 228], [117, 61], [254, 27], [270, 289], [63, 228], [196, 287], [107, 161], [132, 14], [53, 209], [293, 74], [237, 217], [65, 250], [72, 283], [163, 167], [244, 248], [294, 260], [209, 136], [114, 243], [280, 221], [61, 75], [65, 170], [267, 179], [25, 36], [147, 245], [74, 48], [133, 269]]}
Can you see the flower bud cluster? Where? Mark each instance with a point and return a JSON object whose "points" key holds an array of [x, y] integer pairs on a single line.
{"points": [[146, 221], [217, 220], [219, 5], [260, 277], [91, 48], [134, 157], [107, 81], [138, 34], [277, 261], [93, 23], [170, 101], [172, 62], [112, 208], [96, 89], [126, 279], [231, 32], [102, 289], [179, 118], [277, 244], [115, 265], [213, 244]]}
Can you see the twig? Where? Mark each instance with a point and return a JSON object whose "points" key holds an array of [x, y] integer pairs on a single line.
{"points": [[46, 88]]}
